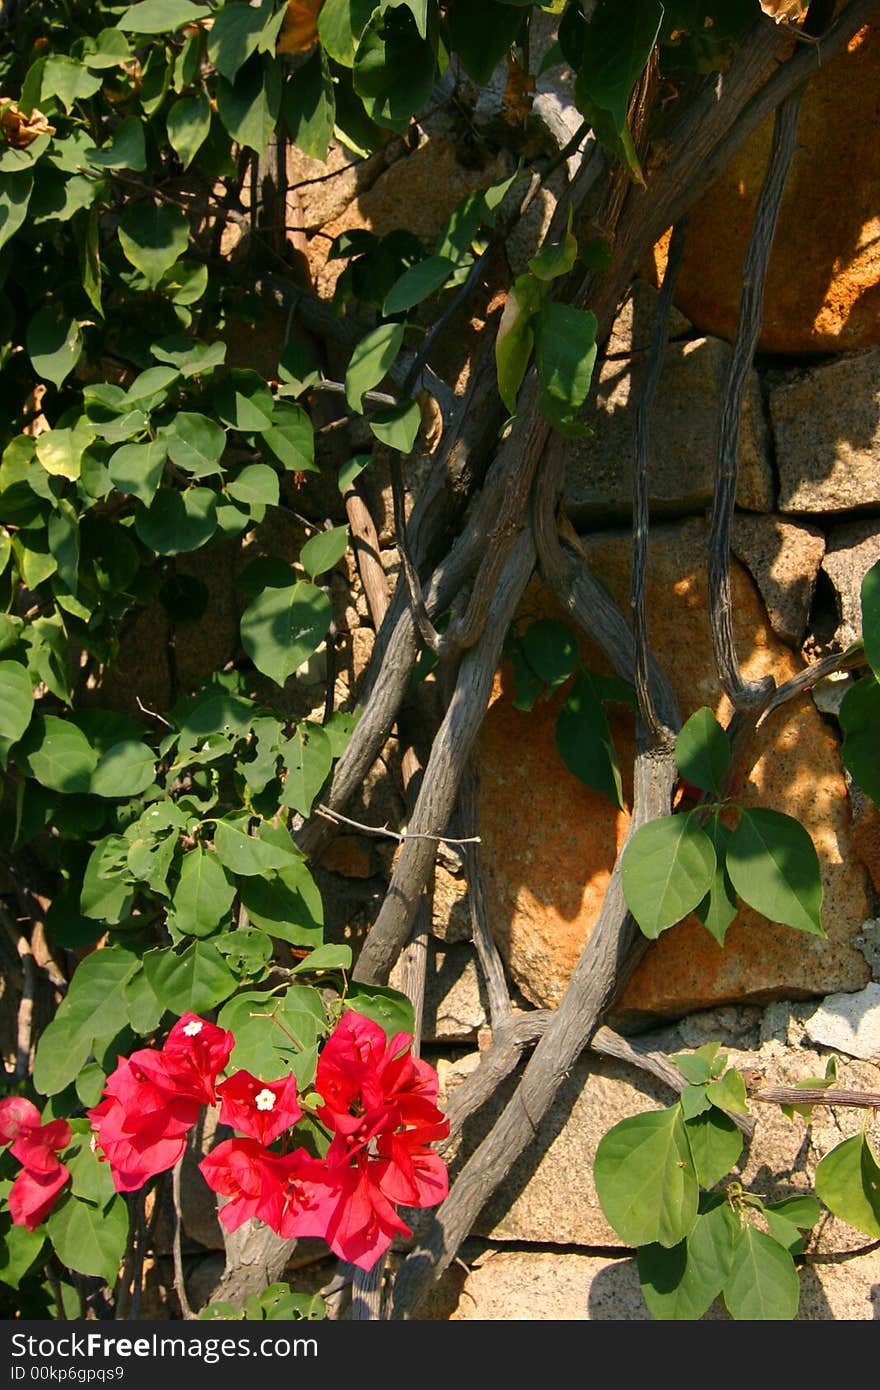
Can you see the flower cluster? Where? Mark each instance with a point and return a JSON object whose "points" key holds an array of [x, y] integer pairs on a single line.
{"points": [[36, 1146], [154, 1098], [376, 1102]]}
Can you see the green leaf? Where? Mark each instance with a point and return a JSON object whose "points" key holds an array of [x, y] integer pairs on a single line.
{"points": [[370, 361], [284, 626], [329, 957], [308, 105], [137, 469], [67, 80], [388, 1007], [645, 1179], [351, 470], [160, 16], [516, 336], [698, 1066], [398, 426], [774, 867], [238, 32], [54, 343], [802, 1210], [291, 438], [196, 980], [60, 452], [89, 1238], [618, 46], [126, 150], [715, 1144], [417, 283], [244, 853], [203, 895], [271, 1047], [340, 25], [668, 867], [91, 1179], [126, 769], [106, 891], [58, 755], [394, 69], [188, 123], [763, 1284], [194, 443], [556, 259], [144, 1010], [178, 522], [19, 1249], [249, 108], [15, 194], [859, 720], [308, 757], [153, 237], [286, 904], [719, 908], [551, 650], [702, 751], [694, 1101], [324, 551], [728, 1093], [481, 33], [565, 353], [584, 740], [95, 1003], [683, 1283], [243, 401], [848, 1182], [16, 700], [256, 484], [870, 594]]}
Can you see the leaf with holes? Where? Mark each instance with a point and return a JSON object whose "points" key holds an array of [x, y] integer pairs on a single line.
{"points": [[308, 757]]}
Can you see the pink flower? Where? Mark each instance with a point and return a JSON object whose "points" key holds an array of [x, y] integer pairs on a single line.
{"points": [[16, 1114], [363, 1223], [36, 1146], [34, 1194], [141, 1125], [194, 1054], [251, 1177], [360, 1071], [409, 1173], [260, 1109]]}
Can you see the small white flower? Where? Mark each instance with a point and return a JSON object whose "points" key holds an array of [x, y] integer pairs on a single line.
{"points": [[265, 1099], [193, 1029]]}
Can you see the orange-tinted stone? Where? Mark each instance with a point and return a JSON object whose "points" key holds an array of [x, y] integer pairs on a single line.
{"points": [[823, 283], [550, 843]]}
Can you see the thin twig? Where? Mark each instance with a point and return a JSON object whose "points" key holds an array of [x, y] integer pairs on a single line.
{"points": [[179, 1284], [487, 952], [400, 835], [850, 660]]}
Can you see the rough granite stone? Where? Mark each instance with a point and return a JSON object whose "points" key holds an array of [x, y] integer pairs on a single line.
{"points": [[783, 559], [849, 1023], [826, 428], [455, 1003], [633, 327], [598, 483], [823, 283], [851, 551], [545, 881], [545, 1286]]}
